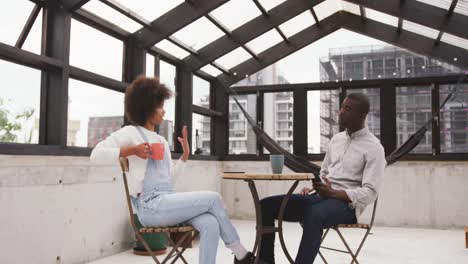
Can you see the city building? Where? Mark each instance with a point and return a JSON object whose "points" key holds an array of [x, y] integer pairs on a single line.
{"points": [[413, 104]]}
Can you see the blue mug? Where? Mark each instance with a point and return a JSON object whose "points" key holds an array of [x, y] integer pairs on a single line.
{"points": [[277, 162]]}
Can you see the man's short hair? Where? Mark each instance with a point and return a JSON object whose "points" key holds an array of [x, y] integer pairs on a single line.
{"points": [[362, 101]]}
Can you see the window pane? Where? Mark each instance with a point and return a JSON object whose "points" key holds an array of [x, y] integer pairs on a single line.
{"points": [[245, 10], [326, 9], [444, 4], [90, 118], [233, 58], [19, 103], [381, 17], [373, 118], [350, 7], [413, 110], [454, 40], [265, 41], [149, 65], [242, 139], [201, 126], [454, 120], [201, 92], [322, 110], [297, 23], [150, 9], [278, 118], [269, 4], [462, 7], [172, 49], [104, 11], [13, 17], [103, 56], [420, 29], [211, 70], [168, 77], [199, 33]]}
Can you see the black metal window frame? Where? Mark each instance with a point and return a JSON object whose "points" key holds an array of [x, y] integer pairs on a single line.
{"points": [[53, 125], [387, 107], [56, 72]]}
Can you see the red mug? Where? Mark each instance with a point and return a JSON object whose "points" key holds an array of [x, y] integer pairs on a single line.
{"points": [[157, 151]]}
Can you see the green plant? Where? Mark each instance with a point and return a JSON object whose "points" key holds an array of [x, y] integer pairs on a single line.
{"points": [[8, 127]]}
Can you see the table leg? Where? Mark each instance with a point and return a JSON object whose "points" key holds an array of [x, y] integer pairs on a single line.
{"points": [[258, 217], [280, 220]]}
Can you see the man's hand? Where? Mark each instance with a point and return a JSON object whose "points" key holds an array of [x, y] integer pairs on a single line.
{"points": [[324, 188], [306, 191], [185, 144]]}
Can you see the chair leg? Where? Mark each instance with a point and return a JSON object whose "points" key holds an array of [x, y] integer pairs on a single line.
{"points": [[347, 247], [175, 249], [180, 253], [147, 247], [323, 238], [362, 242]]}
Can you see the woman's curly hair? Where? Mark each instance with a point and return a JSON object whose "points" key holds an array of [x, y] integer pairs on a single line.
{"points": [[142, 97]]}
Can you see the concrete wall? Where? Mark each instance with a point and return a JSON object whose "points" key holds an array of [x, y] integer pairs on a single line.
{"points": [[64, 207], [63, 210]]}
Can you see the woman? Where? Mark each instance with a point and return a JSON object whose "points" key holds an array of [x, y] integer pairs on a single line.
{"points": [[151, 181]]}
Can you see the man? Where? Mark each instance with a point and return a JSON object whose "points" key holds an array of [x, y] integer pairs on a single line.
{"points": [[352, 173]]}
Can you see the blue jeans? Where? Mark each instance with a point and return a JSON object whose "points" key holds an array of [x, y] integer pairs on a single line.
{"points": [[315, 212], [204, 210]]}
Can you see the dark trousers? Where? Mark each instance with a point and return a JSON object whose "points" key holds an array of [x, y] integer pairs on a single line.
{"points": [[316, 213]]}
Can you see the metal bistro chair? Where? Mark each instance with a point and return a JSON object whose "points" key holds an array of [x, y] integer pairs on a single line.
{"points": [[189, 231], [348, 250]]}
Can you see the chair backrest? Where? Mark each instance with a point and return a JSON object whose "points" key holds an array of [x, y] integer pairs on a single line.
{"points": [[374, 209], [124, 165]]}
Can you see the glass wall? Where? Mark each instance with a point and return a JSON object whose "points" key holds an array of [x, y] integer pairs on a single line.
{"points": [[413, 110], [242, 139], [454, 119], [19, 104], [322, 119], [278, 118], [90, 118]]}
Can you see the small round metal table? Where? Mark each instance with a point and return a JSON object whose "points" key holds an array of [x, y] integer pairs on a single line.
{"points": [[250, 178]]}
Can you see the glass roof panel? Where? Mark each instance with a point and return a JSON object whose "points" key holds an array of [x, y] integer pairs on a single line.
{"points": [[233, 58], [199, 33], [150, 9], [269, 4], [420, 29], [211, 70], [109, 14], [172, 49], [381, 17], [297, 23], [462, 7], [245, 10], [15, 16], [350, 7], [326, 9], [265, 41], [454, 40], [445, 4]]}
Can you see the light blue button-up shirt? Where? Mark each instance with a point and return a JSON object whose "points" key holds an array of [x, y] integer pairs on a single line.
{"points": [[355, 163]]}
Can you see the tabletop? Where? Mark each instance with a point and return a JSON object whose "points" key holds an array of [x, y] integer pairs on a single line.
{"points": [[268, 176]]}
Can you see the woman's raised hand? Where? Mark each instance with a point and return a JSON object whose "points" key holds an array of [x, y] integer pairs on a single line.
{"points": [[184, 143]]}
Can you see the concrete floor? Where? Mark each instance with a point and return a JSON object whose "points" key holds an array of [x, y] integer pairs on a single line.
{"points": [[386, 245]]}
